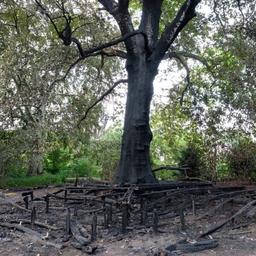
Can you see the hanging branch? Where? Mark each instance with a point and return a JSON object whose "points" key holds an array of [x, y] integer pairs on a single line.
{"points": [[101, 98], [188, 80]]}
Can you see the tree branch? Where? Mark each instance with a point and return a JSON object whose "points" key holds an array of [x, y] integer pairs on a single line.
{"points": [[172, 30], [114, 53], [109, 5], [44, 11], [149, 24], [187, 55], [185, 65], [112, 43], [121, 14], [101, 98]]}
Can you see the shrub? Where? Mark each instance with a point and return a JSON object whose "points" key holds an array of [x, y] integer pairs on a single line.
{"points": [[57, 159], [85, 167], [190, 157], [242, 160]]}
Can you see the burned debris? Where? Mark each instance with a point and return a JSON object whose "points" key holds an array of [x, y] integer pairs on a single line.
{"points": [[80, 215]]}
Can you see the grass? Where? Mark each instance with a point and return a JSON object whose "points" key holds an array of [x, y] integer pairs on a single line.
{"points": [[31, 181]]}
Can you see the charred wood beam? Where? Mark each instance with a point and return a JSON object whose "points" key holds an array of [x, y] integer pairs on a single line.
{"points": [[75, 231], [8, 201], [216, 227], [214, 209], [93, 199], [232, 194], [187, 247], [171, 168], [36, 223], [94, 228], [25, 199], [34, 235], [197, 191]]}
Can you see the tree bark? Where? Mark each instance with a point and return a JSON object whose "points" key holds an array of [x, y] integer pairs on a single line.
{"points": [[134, 166], [35, 162]]}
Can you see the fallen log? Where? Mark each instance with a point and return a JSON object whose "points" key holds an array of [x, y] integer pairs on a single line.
{"points": [[8, 201], [78, 235], [214, 209], [37, 223], [232, 194], [34, 235], [187, 247], [221, 224], [251, 213]]}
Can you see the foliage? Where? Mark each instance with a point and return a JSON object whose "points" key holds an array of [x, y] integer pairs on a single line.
{"points": [[105, 151], [33, 181], [57, 160], [241, 159], [35, 100], [190, 157], [217, 99]]}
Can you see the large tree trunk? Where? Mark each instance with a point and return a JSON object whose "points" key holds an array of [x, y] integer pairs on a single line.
{"points": [[35, 165], [35, 162], [134, 166]]}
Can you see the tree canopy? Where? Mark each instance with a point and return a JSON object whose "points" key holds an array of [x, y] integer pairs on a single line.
{"points": [[60, 59]]}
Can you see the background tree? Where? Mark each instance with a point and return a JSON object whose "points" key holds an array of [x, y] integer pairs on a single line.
{"points": [[35, 98]]}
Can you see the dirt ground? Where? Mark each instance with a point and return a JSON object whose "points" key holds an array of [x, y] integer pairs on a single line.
{"points": [[233, 239]]}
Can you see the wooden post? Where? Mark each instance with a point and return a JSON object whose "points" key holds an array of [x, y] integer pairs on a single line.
{"points": [[94, 228], [193, 207], [68, 230], [33, 216], [75, 210], [155, 221], [32, 195], [143, 206], [103, 198], [182, 219], [65, 195], [47, 201], [109, 214], [105, 218], [125, 216], [26, 201], [76, 181]]}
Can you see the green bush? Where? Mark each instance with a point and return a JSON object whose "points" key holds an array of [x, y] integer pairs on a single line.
{"points": [[242, 160], [31, 181], [190, 157], [223, 171], [57, 159], [106, 151], [85, 167]]}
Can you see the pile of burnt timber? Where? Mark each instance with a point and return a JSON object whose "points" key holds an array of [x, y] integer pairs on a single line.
{"points": [[83, 212]]}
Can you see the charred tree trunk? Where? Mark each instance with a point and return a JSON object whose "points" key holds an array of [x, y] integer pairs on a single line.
{"points": [[144, 54], [134, 165]]}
